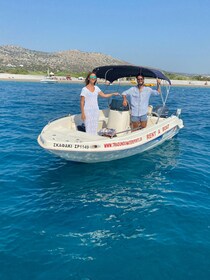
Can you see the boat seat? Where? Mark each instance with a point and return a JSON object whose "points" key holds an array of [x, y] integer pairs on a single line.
{"points": [[102, 124]]}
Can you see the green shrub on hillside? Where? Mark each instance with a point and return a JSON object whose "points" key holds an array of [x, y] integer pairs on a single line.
{"points": [[17, 71]]}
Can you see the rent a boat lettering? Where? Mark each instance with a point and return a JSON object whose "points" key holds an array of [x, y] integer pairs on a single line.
{"points": [[154, 133]]}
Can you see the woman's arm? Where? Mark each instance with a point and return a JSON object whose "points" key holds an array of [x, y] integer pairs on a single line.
{"points": [[107, 95], [82, 105]]}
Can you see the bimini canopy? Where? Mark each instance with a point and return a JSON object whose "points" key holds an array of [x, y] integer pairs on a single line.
{"points": [[114, 72]]}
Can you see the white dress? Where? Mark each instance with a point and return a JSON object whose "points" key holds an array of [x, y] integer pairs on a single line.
{"points": [[91, 109]]}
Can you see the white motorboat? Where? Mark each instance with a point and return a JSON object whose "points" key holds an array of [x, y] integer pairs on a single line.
{"points": [[115, 140], [49, 79]]}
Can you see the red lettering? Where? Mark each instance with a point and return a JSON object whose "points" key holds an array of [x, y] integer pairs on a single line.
{"points": [[165, 127], [151, 135], [123, 143]]}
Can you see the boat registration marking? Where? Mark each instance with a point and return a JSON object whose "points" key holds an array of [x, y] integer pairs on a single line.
{"points": [[74, 146]]}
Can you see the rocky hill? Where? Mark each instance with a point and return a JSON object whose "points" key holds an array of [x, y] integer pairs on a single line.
{"points": [[70, 60]]}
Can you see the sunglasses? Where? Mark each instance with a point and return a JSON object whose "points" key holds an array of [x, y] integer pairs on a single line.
{"points": [[93, 77]]}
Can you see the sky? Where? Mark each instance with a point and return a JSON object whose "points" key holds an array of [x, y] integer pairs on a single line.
{"points": [[169, 35]]}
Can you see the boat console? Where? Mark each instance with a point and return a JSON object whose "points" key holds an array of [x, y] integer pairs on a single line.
{"points": [[119, 117]]}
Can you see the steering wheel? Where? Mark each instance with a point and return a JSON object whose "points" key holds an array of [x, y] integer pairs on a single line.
{"points": [[155, 114]]}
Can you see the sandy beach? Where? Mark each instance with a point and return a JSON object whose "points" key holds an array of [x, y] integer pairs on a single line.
{"points": [[37, 78]]}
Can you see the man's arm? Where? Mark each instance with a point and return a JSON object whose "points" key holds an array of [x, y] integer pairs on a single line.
{"points": [[125, 102], [158, 85], [125, 94]]}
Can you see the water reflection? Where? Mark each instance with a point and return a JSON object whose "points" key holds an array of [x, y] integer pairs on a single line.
{"points": [[96, 204], [150, 164]]}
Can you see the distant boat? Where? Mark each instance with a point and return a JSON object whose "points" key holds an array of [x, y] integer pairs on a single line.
{"points": [[146, 84], [49, 79]]}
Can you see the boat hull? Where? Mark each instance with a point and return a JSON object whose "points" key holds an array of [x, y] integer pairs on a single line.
{"points": [[108, 149], [102, 156], [49, 80]]}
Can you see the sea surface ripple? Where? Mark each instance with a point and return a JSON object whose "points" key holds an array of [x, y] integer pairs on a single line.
{"points": [[144, 217]]}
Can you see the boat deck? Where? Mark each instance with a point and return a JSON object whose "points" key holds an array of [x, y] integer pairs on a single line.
{"points": [[69, 135], [62, 131]]}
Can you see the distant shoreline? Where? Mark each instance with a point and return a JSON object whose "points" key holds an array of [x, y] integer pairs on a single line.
{"points": [[37, 78]]}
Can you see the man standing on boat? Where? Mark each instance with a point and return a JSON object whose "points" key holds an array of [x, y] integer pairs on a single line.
{"points": [[139, 101]]}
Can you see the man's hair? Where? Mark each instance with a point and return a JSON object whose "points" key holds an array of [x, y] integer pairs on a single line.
{"points": [[140, 75]]}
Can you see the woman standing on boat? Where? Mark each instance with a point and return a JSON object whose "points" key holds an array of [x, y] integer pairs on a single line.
{"points": [[89, 103]]}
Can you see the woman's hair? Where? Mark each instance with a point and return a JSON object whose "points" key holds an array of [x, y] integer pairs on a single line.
{"points": [[87, 81]]}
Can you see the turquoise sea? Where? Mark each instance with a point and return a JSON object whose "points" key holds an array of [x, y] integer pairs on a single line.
{"points": [[145, 217]]}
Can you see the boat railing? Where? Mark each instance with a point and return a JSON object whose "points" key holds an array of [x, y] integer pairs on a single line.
{"points": [[55, 119]]}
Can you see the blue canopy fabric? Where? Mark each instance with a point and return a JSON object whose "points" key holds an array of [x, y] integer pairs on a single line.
{"points": [[113, 72]]}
